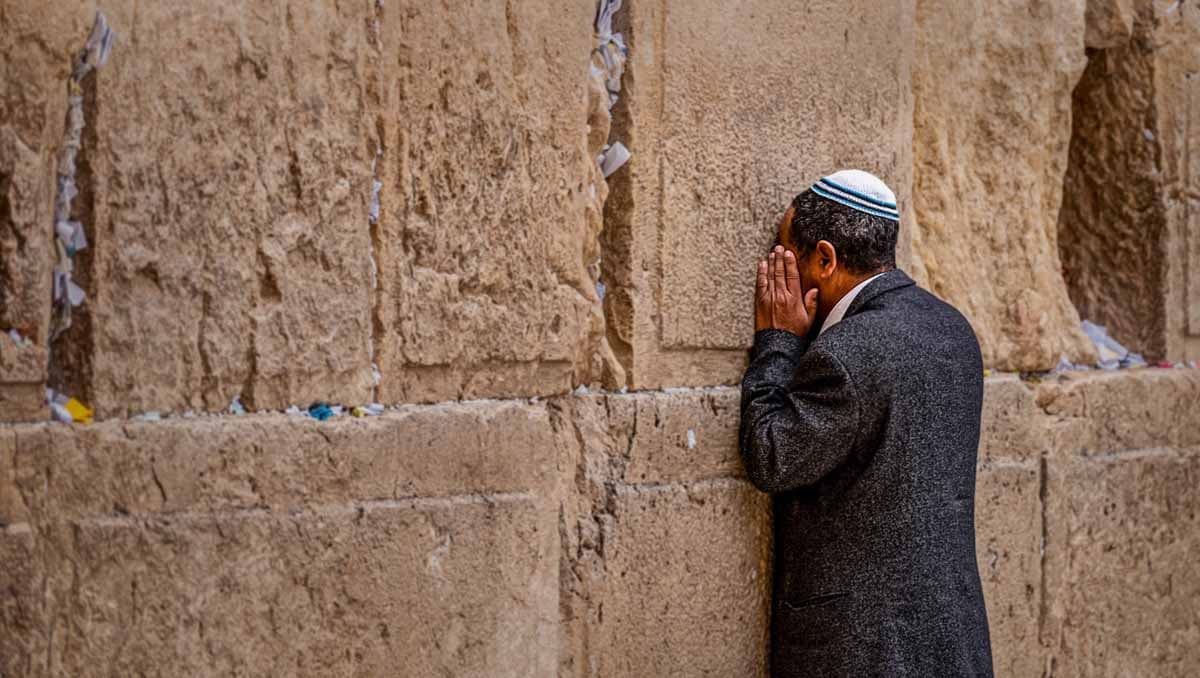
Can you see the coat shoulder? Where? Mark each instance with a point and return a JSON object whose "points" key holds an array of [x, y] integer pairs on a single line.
{"points": [[903, 324]]}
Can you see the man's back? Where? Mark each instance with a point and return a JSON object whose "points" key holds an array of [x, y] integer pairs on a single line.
{"points": [[868, 439]]}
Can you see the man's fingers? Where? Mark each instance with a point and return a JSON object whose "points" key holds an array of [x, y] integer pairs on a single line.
{"points": [[791, 273], [780, 281], [771, 275], [760, 281], [810, 303]]}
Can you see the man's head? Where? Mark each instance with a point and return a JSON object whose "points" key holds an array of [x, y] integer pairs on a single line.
{"points": [[842, 230]]}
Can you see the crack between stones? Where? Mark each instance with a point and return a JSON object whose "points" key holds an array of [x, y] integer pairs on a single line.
{"points": [[374, 225]]}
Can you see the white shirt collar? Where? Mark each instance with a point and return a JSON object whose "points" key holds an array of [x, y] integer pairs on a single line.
{"points": [[839, 309]]}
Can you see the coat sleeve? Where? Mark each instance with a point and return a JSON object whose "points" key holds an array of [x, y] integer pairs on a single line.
{"points": [[799, 415]]}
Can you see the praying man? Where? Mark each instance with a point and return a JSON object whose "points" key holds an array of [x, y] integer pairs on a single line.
{"points": [[860, 414]]}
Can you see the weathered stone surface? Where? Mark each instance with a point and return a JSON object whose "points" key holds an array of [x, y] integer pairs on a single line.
{"points": [[1111, 241], [433, 587], [227, 189], [1190, 288], [1104, 412], [665, 558], [992, 88], [686, 583], [281, 462], [22, 381], [727, 125], [1012, 426], [231, 180], [1120, 564], [1109, 23], [1177, 131], [1130, 198], [12, 503], [34, 66], [243, 544], [21, 612], [1008, 525], [684, 435], [485, 239]]}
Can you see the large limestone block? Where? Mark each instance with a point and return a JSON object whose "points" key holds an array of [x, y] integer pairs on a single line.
{"points": [[22, 381], [684, 435], [1012, 426], [992, 85], [1008, 528], [1113, 224], [1107, 412], [1121, 563], [274, 462], [1190, 231], [665, 556], [22, 621], [1129, 223], [1177, 133], [484, 241], [1109, 22], [12, 501], [224, 182], [686, 583], [421, 588], [731, 110], [36, 46]]}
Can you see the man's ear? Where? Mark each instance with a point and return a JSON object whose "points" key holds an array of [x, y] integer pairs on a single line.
{"points": [[827, 257]]}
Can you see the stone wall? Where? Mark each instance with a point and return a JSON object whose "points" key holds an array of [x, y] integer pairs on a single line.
{"points": [[1128, 223], [398, 203], [596, 535]]}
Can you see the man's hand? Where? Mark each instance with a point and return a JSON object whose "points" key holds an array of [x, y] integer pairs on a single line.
{"points": [[778, 302]]}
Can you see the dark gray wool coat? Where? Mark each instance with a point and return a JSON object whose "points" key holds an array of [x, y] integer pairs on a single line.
{"points": [[867, 437]]}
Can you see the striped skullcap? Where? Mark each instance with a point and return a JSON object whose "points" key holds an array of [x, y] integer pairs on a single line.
{"points": [[859, 190]]}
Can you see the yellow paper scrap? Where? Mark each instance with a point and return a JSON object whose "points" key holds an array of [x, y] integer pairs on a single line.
{"points": [[79, 412]]}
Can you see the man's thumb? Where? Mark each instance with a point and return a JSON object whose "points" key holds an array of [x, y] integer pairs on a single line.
{"points": [[810, 302]]}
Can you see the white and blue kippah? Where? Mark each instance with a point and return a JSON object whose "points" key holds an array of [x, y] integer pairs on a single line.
{"points": [[859, 190]]}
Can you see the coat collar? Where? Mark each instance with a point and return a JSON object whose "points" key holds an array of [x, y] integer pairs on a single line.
{"points": [[893, 279]]}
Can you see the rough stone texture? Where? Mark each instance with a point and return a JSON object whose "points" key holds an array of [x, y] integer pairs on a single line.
{"points": [[433, 588], [579, 536], [1012, 428], [1126, 252], [684, 435], [12, 504], [486, 235], [666, 558], [992, 89], [1121, 551], [20, 600], [1008, 527], [282, 463], [1112, 241], [231, 184], [1109, 23], [34, 66], [1105, 412], [1177, 89], [22, 381], [1191, 230], [688, 583], [422, 539], [226, 181], [724, 135]]}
